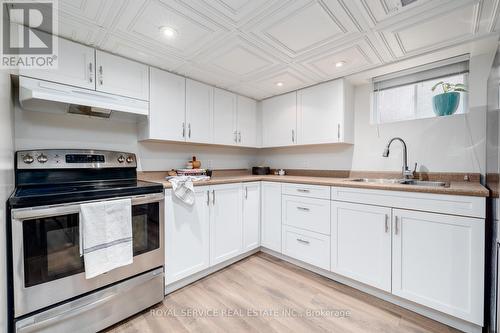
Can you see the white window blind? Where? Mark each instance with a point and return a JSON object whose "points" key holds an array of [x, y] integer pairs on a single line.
{"points": [[407, 95]]}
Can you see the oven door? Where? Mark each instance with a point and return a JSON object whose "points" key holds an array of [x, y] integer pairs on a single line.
{"points": [[47, 266]]}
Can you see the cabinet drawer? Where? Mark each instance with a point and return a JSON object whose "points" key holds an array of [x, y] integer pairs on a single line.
{"points": [[310, 247], [306, 213], [303, 190]]}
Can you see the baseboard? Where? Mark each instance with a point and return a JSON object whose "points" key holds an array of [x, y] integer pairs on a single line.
{"points": [[424, 311], [200, 275]]}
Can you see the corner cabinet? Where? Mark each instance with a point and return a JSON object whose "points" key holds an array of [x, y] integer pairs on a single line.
{"points": [[187, 235], [438, 261]]}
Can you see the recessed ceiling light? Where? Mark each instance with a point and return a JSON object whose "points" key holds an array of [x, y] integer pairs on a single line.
{"points": [[279, 84], [340, 63], [168, 32]]}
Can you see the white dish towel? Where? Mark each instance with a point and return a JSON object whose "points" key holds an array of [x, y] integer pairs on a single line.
{"points": [[106, 236], [183, 187]]}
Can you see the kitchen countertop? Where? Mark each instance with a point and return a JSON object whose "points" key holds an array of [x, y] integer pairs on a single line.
{"points": [[456, 188]]}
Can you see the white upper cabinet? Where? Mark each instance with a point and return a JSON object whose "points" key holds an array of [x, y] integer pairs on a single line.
{"points": [[247, 122], [120, 76], [325, 113], [167, 107], [279, 120], [199, 112], [251, 216], [225, 115], [438, 261], [361, 243], [187, 235], [226, 226], [76, 66]]}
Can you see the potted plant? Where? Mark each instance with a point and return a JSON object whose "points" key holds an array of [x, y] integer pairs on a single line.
{"points": [[446, 104]]}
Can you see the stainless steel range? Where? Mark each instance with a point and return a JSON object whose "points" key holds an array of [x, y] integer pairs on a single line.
{"points": [[49, 291]]}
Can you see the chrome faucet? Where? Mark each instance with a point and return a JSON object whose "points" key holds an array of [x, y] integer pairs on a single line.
{"points": [[407, 173]]}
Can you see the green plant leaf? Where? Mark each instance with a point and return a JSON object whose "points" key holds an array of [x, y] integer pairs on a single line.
{"points": [[437, 84]]}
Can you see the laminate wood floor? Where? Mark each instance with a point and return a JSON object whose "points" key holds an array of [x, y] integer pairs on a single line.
{"points": [[264, 294]]}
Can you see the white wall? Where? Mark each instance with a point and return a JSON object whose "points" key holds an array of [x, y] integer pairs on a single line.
{"points": [[38, 130], [6, 181]]}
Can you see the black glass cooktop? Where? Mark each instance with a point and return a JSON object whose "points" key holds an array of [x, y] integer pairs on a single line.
{"points": [[38, 195]]}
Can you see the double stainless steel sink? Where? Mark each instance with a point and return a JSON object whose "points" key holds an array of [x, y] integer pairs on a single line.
{"points": [[401, 182]]}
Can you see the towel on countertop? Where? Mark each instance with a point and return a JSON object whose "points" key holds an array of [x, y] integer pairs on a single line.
{"points": [[183, 187], [106, 236]]}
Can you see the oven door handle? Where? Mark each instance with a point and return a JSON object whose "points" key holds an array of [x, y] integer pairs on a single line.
{"points": [[72, 208]]}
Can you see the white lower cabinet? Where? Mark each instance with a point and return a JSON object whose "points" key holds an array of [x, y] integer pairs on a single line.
{"points": [[306, 213], [438, 261], [251, 216], [271, 216], [361, 243], [226, 222], [186, 235], [310, 247]]}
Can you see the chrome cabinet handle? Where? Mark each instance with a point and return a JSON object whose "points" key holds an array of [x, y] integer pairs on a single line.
{"points": [[91, 73], [293, 136], [246, 192], [183, 130], [189, 130], [208, 198], [302, 241], [303, 190], [213, 197], [338, 132], [235, 133], [396, 229], [101, 78], [386, 223], [303, 208], [239, 137]]}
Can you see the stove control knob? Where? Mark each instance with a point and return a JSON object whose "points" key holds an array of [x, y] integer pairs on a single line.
{"points": [[28, 159], [130, 159], [42, 158], [121, 159]]}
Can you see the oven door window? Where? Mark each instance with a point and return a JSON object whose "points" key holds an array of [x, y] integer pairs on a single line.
{"points": [[52, 244]]}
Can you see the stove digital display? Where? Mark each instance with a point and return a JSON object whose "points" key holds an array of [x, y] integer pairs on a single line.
{"points": [[84, 158]]}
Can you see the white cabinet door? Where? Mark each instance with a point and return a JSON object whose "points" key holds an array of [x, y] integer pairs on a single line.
{"points": [[271, 216], [199, 112], [120, 76], [76, 66], [361, 243], [186, 235], [438, 261], [226, 223], [310, 247], [251, 216], [167, 106], [247, 122], [320, 113], [279, 120], [225, 132]]}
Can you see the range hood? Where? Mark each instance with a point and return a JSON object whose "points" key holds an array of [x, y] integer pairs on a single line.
{"points": [[39, 95]]}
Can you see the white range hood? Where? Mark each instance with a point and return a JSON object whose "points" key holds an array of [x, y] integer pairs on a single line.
{"points": [[39, 95]]}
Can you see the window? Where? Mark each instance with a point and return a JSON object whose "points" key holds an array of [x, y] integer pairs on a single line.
{"points": [[407, 95]]}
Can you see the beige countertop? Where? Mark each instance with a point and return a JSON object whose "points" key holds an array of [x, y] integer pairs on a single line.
{"points": [[455, 188]]}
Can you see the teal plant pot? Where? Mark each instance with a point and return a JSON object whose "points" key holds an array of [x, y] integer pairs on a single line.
{"points": [[446, 104]]}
